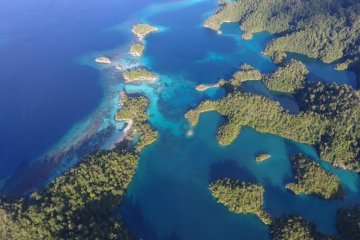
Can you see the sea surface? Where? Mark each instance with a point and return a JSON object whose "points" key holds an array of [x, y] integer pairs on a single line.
{"points": [[52, 94]]}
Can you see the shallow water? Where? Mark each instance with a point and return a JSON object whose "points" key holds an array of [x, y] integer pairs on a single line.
{"points": [[169, 196]]}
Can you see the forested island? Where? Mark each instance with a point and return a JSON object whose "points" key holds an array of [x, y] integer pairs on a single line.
{"points": [[262, 157], [142, 30], [328, 30], [82, 203], [295, 228], [134, 109], [240, 197], [288, 78], [328, 111], [139, 74], [137, 49], [312, 179]]}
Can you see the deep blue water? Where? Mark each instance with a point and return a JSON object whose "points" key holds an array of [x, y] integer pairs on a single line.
{"points": [[43, 89], [53, 91]]}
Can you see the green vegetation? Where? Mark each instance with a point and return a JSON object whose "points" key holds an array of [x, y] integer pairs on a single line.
{"points": [[329, 120], [142, 30], [312, 179], [348, 223], [82, 203], [328, 30], [240, 197], [134, 108], [246, 73], [78, 205], [139, 74], [295, 228], [262, 114], [262, 157], [340, 105], [137, 50], [287, 79]]}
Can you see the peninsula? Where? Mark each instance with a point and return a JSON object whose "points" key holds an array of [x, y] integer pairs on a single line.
{"points": [[321, 38], [312, 179], [139, 74]]}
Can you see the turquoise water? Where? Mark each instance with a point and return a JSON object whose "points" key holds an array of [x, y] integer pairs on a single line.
{"points": [[169, 196]]}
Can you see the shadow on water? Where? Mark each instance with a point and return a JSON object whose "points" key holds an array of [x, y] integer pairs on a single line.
{"points": [[143, 228]]}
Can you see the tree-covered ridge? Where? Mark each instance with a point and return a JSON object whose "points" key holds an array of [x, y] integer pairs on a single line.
{"points": [[245, 73], [240, 197], [295, 228], [326, 29], [134, 109], [348, 223], [329, 119], [340, 105], [78, 205], [264, 115], [312, 179], [288, 78]]}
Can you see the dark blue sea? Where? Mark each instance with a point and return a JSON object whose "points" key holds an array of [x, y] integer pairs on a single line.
{"points": [[57, 105]]}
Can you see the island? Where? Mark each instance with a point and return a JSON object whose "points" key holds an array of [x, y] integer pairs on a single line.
{"points": [[295, 228], [262, 157], [287, 78], [139, 74], [83, 202], [240, 197], [327, 111], [317, 35], [245, 73], [247, 36], [133, 109], [137, 49], [142, 30], [80, 204], [103, 60], [312, 179]]}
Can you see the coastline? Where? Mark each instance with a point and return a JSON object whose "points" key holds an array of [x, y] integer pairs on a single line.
{"points": [[204, 87]]}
